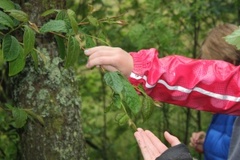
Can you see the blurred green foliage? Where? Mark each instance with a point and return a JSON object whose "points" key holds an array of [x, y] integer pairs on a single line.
{"points": [[8, 136]]}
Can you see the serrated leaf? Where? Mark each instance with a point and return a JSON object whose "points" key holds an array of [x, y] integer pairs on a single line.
{"points": [[116, 101], [20, 117], [61, 46], [17, 65], [93, 20], [73, 50], [11, 48], [62, 15], [28, 40], [130, 97], [6, 4], [71, 12], [147, 107], [54, 26], [115, 104], [19, 15], [6, 20], [122, 118], [72, 17], [234, 38], [114, 81]]}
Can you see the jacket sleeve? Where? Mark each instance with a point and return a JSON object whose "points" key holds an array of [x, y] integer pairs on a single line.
{"points": [[208, 85], [178, 152]]}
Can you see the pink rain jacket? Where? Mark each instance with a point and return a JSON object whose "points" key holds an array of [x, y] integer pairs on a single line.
{"points": [[209, 85]]}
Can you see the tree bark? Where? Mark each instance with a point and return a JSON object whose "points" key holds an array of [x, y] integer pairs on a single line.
{"points": [[52, 92]]}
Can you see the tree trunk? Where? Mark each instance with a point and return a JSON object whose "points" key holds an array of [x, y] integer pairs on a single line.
{"points": [[52, 92]]}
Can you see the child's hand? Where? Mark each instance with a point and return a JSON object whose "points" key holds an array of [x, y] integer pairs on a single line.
{"points": [[150, 146], [197, 140], [110, 58]]}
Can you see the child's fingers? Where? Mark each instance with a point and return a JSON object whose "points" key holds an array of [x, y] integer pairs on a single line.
{"points": [[161, 147], [173, 141]]}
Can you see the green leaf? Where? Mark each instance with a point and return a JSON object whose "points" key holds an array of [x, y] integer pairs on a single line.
{"points": [[130, 97], [116, 101], [72, 17], [35, 58], [50, 11], [114, 80], [73, 50], [234, 38], [54, 26], [147, 107], [62, 15], [93, 20], [61, 46], [11, 48], [6, 20], [122, 118], [2, 62], [17, 65], [6, 4], [19, 15], [28, 40], [20, 117]]}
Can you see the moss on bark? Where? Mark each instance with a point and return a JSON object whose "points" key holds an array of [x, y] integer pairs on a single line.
{"points": [[52, 92]]}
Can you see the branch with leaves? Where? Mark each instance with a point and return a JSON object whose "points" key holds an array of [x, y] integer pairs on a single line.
{"points": [[70, 38]]}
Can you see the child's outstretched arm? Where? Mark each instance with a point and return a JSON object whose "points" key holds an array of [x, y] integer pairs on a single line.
{"points": [[209, 85]]}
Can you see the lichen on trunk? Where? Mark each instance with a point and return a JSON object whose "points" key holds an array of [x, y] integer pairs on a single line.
{"points": [[51, 92]]}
